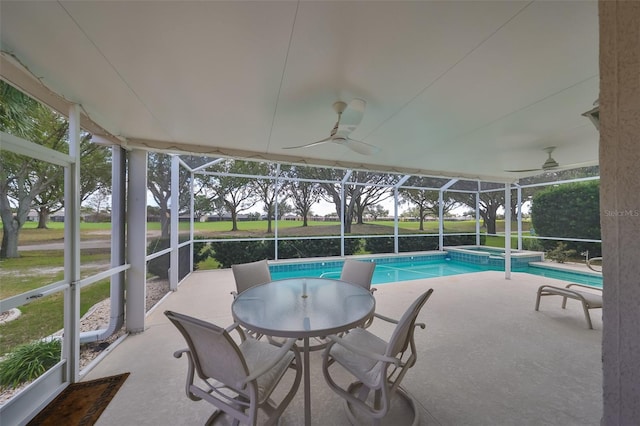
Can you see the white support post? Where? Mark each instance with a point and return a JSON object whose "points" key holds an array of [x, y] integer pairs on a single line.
{"points": [[346, 177], [507, 231], [396, 190], [136, 241], [174, 221], [478, 215], [276, 189], [440, 221], [519, 198], [396, 243], [191, 224], [72, 249]]}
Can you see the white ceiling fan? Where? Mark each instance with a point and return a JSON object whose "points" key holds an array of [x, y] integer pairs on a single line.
{"points": [[549, 164], [349, 117]]}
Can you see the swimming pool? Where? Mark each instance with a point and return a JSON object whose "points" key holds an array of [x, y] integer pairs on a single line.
{"points": [[405, 268]]}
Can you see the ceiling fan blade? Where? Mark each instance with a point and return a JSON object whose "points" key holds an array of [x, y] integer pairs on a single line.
{"points": [[360, 147], [351, 116], [522, 170], [309, 144]]}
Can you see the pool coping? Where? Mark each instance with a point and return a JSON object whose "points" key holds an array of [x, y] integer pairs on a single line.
{"points": [[565, 268]]}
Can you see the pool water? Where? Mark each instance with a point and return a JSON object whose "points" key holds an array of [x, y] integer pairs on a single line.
{"points": [[414, 270]]}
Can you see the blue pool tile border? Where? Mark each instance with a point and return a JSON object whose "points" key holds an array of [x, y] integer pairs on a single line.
{"points": [[314, 264]]}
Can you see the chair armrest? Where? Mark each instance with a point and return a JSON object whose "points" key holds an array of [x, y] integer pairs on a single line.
{"points": [[384, 318], [355, 349], [178, 354], [284, 349], [392, 321], [236, 326], [584, 286]]}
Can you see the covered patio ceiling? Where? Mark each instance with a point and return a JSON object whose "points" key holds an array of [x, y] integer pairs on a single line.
{"points": [[463, 88]]}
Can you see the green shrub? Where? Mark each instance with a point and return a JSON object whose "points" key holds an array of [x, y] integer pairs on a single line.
{"points": [[27, 362], [532, 244], [561, 254], [570, 211], [421, 243], [297, 249], [228, 253]]}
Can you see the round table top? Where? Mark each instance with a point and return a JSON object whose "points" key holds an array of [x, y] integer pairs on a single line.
{"points": [[303, 307]]}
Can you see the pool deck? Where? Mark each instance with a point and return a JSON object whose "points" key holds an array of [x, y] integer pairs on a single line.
{"points": [[485, 358]]}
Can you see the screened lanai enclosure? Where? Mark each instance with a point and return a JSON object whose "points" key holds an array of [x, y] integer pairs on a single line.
{"points": [[169, 201], [388, 127]]}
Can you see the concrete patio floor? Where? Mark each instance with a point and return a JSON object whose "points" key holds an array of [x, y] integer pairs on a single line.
{"points": [[485, 358]]}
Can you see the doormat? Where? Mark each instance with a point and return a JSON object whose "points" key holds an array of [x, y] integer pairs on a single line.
{"points": [[80, 404]]}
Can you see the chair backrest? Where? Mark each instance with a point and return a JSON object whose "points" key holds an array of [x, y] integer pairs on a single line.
{"points": [[357, 272], [250, 274], [215, 354], [403, 333]]}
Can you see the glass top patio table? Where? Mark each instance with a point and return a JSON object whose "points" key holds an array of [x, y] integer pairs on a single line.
{"points": [[303, 308]]}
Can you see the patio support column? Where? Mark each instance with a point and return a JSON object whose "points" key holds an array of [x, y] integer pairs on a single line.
{"points": [[519, 201], [478, 215], [620, 208], [136, 241], [72, 248], [174, 222], [507, 231], [396, 188], [276, 189], [192, 203], [440, 221], [443, 188], [396, 243]]}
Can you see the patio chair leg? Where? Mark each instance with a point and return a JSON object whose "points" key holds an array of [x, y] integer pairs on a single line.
{"points": [[587, 316]]}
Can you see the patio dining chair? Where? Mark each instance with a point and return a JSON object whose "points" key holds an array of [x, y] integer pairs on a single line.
{"points": [[250, 274], [378, 366], [238, 379], [360, 273]]}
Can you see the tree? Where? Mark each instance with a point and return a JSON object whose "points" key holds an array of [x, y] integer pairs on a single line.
{"points": [[95, 175], [303, 194], [23, 178], [265, 188], [237, 193], [159, 184], [490, 202], [377, 211], [368, 196], [201, 206], [356, 197], [426, 201]]}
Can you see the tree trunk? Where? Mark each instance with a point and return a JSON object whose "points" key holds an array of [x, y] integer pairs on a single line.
{"points": [[234, 220], [43, 218], [268, 224], [9, 248]]}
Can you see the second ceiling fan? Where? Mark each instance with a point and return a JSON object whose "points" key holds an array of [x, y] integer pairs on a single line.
{"points": [[549, 164], [349, 117]]}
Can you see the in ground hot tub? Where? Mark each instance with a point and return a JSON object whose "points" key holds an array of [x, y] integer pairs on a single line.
{"points": [[493, 256]]}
